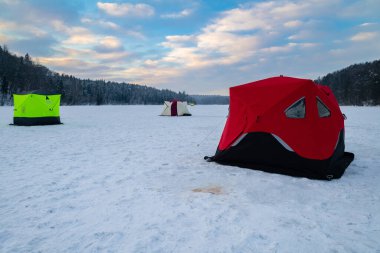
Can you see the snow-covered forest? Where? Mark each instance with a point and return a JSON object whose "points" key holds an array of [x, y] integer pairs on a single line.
{"points": [[358, 84]]}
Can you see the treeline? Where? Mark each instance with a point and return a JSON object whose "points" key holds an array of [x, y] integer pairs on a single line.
{"points": [[20, 74], [211, 99], [358, 84]]}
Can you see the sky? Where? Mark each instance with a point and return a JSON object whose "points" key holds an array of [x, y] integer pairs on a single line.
{"points": [[200, 47]]}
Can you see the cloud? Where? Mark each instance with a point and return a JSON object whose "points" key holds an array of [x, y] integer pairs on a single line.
{"points": [[181, 14], [42, 46], [102, 23], [173, 41], [79, 68], [293, 23], [364, 36], [40, 12], [150, 75], [209, 53], [107, 25], [287, 48], [367, 24], [84, 39], [249, 27], [22, 29], [112, 58], [126, 9], [3, 39], [301, 35], [251, 42], [61, 27], [222, 45], [239, 20], [87, 63], [109, 44], [179, 38], [23, 38], [79, 35], [82, 44]]}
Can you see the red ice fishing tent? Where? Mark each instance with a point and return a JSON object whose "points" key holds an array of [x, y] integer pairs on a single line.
{"points": [[285, 125], [175, 108]]}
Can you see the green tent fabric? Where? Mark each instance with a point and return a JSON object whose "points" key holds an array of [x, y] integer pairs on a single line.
{"points": [[36, 108]]}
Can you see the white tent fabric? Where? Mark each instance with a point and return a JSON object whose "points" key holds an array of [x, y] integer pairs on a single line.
{"points": [[181, 109], [167, 109]]}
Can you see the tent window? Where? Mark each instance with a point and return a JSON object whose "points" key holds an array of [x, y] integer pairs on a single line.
{"points": [[297, 110], [323, 111]]}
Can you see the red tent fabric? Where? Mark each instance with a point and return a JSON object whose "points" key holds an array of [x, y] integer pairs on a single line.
{"points": [[174, 108], [284, 125], [260, 107]]}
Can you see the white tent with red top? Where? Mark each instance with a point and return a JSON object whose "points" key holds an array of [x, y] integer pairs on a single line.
{"points": [[175, 108]]}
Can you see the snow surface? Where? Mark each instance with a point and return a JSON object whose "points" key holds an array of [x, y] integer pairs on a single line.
{"points": [[122, 179]]}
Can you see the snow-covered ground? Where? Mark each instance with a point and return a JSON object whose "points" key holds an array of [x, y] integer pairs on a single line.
{"points": [[122, 179]]}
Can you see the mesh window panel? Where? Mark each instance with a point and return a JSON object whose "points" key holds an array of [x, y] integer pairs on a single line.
{"points": [[323, 111], [296, 110]]}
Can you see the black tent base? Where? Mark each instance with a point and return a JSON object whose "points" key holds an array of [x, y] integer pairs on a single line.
{"points": [[261, 151], [186, 114], [343, 162], [340, 168], [38, 121]]}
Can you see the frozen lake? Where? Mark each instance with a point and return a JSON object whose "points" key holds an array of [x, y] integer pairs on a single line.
{"points": [[123, 179]]}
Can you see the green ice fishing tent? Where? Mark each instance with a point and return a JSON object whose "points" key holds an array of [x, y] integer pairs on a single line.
{"points": [[36, 108]]}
